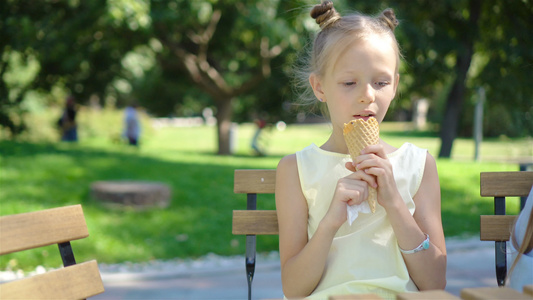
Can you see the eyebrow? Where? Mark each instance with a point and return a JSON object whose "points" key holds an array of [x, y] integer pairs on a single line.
{"points": [[379, 74]]}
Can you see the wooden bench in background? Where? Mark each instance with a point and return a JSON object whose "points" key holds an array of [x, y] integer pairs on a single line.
{"points": [[497, 227], [42, 228], [252, 222]]}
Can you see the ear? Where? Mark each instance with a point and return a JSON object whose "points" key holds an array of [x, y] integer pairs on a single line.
{"points": [[316, 84]]}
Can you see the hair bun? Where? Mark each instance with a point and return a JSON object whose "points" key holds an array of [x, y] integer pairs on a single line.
{"points": [[324, 14], [389, 18]]}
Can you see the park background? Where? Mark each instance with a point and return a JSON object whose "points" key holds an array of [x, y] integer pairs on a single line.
{"points": [[177, 58]]}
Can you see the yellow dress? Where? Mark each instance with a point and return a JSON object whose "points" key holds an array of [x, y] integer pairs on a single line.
{"points": [[364, 257]]}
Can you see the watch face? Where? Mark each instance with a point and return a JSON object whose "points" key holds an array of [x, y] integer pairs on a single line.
{"points": [[426, 244]]}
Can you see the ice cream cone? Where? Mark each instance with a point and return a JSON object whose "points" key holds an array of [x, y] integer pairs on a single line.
{"points": [[359, 134]]}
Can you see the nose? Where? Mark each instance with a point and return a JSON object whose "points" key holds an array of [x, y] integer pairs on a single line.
{"points": [[368, 94]]}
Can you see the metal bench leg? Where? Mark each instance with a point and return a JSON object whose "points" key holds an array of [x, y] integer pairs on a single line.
{"points": [[501, 262], [251, 204], [500, 247], [65, 249], [250, 262]]}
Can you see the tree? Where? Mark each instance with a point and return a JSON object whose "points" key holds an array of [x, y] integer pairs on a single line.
{"points": [[234, 55], [451, 48], [74, 45], [226, 49]]}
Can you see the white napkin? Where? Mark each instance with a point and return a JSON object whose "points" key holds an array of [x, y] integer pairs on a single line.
{"points": [[354, 210]]}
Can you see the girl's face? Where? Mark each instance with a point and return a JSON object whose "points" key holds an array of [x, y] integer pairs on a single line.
{"points": [[361, 83]]}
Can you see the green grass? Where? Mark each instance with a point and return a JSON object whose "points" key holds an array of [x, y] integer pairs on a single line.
{"points": [[36, 176]]}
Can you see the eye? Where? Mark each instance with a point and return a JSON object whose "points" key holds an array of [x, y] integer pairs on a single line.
{"points": [[383, 83], [349, 83]]}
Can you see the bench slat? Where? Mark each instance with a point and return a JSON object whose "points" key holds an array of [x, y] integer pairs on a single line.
{"points": [[254, 181], [496, 227], [355, 297], [255, 222], [506, 184], [36, 229], [491, 293], [423, 295], [528, 290], [74, 282]]}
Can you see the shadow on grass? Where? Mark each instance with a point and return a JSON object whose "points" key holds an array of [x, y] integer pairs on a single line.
{"points": [[197, 222]]}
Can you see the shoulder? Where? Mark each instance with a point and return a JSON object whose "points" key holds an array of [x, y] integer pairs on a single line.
{"points": [[287, 160], [287, 167], [430, 179], [430, 164], [287, 173]]}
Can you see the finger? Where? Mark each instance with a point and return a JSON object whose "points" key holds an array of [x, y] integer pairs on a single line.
{"points": [[369, 161], [376, 149], [361, 177], [357, 197], [376, 172], [352, 202], [368, 178], [350, 166], [360, 159]]}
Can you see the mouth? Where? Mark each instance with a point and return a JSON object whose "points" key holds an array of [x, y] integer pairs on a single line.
{"points": [[365, 116]]}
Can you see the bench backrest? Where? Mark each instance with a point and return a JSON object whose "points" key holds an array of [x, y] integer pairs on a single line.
{"points": [[252, 222], [497, 227], [42, 228]]}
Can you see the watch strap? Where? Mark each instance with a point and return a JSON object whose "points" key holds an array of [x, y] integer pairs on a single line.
{"points": [[423, 246]]}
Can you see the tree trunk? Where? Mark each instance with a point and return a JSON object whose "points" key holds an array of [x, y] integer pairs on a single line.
{"points": [[454, 103], [455, 100], [224, 114]]}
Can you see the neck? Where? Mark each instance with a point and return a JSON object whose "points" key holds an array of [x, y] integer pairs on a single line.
{"points": [[335, 143]]}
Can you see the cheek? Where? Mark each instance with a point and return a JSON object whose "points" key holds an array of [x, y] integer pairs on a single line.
{"points": [[383, 108]]}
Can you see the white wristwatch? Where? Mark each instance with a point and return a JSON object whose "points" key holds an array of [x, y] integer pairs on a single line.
{"points": [[423, 246]]}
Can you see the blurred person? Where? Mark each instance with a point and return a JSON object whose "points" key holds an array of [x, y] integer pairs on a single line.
{"points": [[261, 123], [67, 122], [132, 127]]}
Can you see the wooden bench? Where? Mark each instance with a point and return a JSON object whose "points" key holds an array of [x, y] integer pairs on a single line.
{"points": [[479, 293], [497, 227], [252, 222], [42, 228], [485, 293]]}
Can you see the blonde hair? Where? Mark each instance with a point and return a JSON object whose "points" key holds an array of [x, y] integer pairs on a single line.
{"points": [[337, 33], [527, 243]]}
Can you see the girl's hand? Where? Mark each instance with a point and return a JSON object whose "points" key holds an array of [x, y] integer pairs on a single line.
{"points": [[373, 161], [350, 190]]}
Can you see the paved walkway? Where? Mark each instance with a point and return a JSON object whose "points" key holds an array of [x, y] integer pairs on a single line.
{"points": [[470, 264]]}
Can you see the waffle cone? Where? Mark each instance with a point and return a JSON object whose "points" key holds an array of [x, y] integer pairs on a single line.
{"points": [[359, 134]]}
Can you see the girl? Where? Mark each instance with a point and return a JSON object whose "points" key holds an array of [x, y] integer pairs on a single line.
{"points": [[354, 71]]}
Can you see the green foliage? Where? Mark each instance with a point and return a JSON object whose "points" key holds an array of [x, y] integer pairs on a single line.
{"points": [[434, 35], [113, 52], [44, 175]]}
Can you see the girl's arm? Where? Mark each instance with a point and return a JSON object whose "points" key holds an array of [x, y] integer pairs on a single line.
{"points": [[302, 263], [427, 268]]}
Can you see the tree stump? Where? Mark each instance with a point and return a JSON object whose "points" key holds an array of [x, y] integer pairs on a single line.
{"points": [[139, 195]]}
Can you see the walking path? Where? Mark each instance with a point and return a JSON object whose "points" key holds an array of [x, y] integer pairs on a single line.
{"points": [[470, 264]]}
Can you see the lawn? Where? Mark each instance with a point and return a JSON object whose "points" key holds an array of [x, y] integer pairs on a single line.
{"points": [[36, 176]]}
